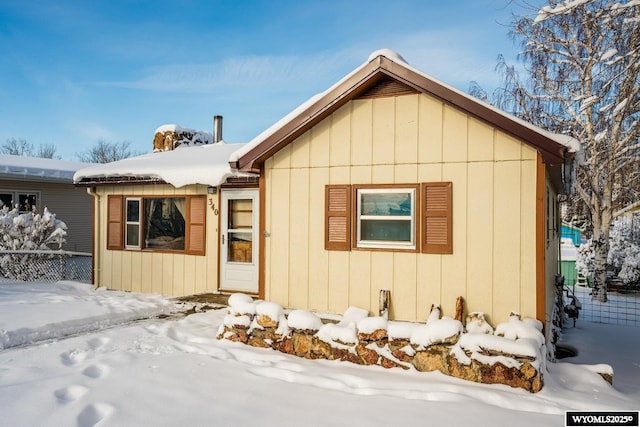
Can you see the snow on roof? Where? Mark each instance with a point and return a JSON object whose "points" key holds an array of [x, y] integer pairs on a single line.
{"points": [[23, 167], [572, 144], [202, 164]]}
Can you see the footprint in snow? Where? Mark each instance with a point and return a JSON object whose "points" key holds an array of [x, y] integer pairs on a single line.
{"points": [[97, 342], [71, 393], [73, 357], [98, 370], [94, 413]]}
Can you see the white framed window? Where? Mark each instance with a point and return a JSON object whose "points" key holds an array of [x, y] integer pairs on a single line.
{"points": [[386, 217], [25, 201], [132, 223]]}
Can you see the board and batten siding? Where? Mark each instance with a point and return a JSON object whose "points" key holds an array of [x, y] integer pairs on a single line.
{"points": [[404, 140], [167, 273]]}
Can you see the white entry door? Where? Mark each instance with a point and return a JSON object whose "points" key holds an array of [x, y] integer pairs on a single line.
{"points": [[239, 226]]}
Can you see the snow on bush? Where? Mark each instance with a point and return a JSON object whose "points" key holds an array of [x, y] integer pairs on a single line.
{"points": [[624, 251], [20, 231]]}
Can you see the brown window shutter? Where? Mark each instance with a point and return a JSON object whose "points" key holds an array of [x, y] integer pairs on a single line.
{"points": [[337, 229], [115, 219], [196, 214], [437, 218]]}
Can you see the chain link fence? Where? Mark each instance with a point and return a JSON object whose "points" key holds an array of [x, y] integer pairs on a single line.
{"points": [[45, 266]]}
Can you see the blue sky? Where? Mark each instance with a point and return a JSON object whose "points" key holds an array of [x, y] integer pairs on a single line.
{"points": [[73, 72]]}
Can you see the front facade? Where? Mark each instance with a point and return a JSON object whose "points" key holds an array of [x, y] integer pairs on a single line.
{"points": [[387, 181], [393, 181]]}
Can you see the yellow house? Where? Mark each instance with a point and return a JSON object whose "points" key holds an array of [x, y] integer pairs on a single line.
{"points": [[389, 180]]}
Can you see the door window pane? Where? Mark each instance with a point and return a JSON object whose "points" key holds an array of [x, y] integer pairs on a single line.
{"points": [[240, 247], [240, 213]]}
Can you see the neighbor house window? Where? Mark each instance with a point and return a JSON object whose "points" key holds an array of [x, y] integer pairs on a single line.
{"points": [[6, 199], [391, 217], [385, 217], [157, 223], [27, 202]]}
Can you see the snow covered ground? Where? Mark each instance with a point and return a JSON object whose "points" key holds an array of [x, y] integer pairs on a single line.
{"points": [[73, 356]]}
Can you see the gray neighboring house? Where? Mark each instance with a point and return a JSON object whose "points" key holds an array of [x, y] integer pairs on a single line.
{"points": [[36, 182]]}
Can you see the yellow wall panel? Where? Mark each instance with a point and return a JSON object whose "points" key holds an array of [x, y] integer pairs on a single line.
{"points": [[431, 172], [406, 173], [319, 258], [268, 191], [299, 238], [191, 276], [382, 277], [340, 144], [125, 271], [166, 260], [383, 131], [361, 132], [338, 281], [319, 144], [480, 141], [507, 147], [340, 175], [383, 174], [179, 274], [360, 293], [282, 159], [145, 266], [506, 249], [528, 239], [454, 282], [405, 286], [300, 151], [480, 229], [429, 284], [454, 135], [136, 272], [430, 130], [361, 174], [528, 152], [279, 206], [406, 137]]}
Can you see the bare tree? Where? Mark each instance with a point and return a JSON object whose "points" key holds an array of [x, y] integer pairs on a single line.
{"points": [[20, 147], [105, 152], [582, 60], [46, 151]]}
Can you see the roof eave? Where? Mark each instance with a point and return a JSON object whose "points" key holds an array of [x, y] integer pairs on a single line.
{"points": [[118, 180]]}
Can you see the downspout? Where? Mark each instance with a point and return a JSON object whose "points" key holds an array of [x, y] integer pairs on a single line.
{"points": [[95, 237]]}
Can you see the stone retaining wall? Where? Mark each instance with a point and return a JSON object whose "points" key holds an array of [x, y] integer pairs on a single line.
{"points": [[512, 355]]}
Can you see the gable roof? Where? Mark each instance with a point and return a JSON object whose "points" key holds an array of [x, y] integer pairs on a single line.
{"points": [[387, 73]]}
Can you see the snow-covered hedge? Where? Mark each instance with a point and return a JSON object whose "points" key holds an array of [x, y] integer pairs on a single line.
{"points": [[27, 231]]}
